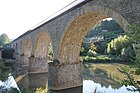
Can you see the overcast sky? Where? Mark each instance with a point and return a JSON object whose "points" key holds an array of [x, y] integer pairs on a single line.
{"points": [[19, 16]]}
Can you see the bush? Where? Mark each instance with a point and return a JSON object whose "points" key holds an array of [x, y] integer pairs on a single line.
{"points": [[128, 54], [115, 46], [91, 53], [4, 71], [40, 90]]}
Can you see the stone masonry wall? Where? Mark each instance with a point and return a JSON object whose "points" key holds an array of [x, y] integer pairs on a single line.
{"points": [[62, 76]]}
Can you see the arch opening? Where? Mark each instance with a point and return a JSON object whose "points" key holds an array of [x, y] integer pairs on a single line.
{"points": [[72, 40], [42, 52], [43, 48], [79, 25], [27, 50]]}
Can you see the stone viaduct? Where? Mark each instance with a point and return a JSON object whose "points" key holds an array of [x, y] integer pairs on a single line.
{"points": [[65, 32]]}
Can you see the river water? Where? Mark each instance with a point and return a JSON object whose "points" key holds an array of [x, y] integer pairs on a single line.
{"points": [[98, 80], [90, 87]]}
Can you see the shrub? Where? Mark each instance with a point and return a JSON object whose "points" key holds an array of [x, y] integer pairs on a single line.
{"points": [[128, 54], [91, 53]]}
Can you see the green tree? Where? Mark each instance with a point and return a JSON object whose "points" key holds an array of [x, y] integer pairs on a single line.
{"points": [[134, 34], [115, 46], [4, 39], [134, 38], [4, 71]]}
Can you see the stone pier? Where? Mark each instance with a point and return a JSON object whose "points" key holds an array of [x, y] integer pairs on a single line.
{"points": [[38, 79], [38, 72], [64, 76], [38, 64], [22, 59]]}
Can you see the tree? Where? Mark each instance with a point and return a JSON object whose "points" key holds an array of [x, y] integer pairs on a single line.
{"points": [[4, 39], [134, 38], [115, 46], [107, 28], [4, 71], [134, 34]]}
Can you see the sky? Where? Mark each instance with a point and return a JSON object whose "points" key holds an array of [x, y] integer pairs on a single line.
{"points": [[19, 16]]}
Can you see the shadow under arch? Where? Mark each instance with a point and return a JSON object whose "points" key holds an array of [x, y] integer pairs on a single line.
{"points": [[27, 50], [78, 27]]}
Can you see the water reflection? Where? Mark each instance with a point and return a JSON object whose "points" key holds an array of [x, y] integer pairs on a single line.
{"points": [[9, 83], [70, 90], [89, 87]]}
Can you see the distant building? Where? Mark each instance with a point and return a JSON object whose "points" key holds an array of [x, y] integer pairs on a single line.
{"points": [[104, 30], [97, 38]]}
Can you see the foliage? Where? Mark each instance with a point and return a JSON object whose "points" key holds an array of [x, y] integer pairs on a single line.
{"points": [[129, 80], [111, 26], [119, 46], [99, 59], [137, 61], [7, 53], [11, 90], [134, 34], [134, 38], [4, 71], [50, 51], [128, 54], [4, 39], [84, 49], [91, 53], [40, 90], [100, 49]]}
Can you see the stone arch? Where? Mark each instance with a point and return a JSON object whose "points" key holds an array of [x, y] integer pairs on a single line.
{"points": [[42, 43], [27, 50], [78, 27], [40, 62]]}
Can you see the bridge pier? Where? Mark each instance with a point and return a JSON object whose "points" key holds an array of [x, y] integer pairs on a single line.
{"points": [[38, 73], [65, 76], [38, 79], [38, 64], [22, 59], [18, 57]]}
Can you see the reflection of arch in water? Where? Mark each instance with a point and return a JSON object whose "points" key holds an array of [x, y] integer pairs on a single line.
{"points": [[27, 50], [78, 27]]}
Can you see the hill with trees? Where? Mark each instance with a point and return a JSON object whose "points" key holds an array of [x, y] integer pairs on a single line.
{"points": [[4, 39], [109, 29]]}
